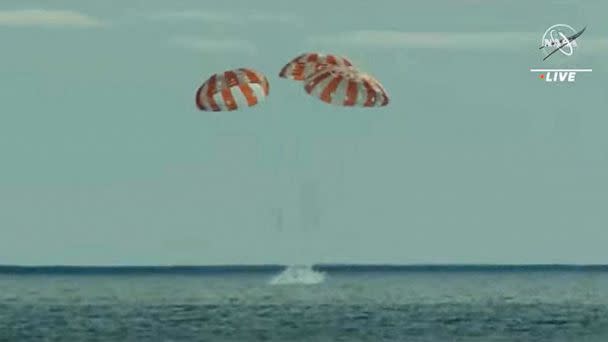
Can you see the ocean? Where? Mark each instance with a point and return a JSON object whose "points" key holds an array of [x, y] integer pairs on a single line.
{"points": [[299, 303]]}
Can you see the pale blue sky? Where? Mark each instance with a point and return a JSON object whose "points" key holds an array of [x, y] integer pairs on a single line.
{"points": [[105, 159]]}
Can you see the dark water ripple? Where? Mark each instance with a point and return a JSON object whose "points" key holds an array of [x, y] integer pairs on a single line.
{"points": [[324, 322]]}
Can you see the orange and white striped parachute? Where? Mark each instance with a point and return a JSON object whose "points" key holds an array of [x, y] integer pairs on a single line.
{"points": [[308, 63], [232, 90], [346, 86]]}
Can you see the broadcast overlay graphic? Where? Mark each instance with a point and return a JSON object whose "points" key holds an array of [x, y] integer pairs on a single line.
{"points": [[560, 38]]}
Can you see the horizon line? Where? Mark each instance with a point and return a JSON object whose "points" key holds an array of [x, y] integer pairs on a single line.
{"points": [[269, 268]]}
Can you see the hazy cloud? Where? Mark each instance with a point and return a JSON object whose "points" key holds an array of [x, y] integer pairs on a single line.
{"points": [[46, 18], [214, 45], [442, 40], [224, 16], [390, 39]]}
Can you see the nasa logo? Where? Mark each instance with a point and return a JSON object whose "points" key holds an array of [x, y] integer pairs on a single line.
{"points": [[562, 38]]}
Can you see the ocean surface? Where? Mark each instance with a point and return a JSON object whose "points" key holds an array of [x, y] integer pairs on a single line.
{"points": [[297, 303]]}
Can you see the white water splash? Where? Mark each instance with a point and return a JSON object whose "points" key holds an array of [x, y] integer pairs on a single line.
{"points": [[298, 275]]}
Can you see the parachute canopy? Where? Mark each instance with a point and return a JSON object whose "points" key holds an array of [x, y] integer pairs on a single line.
{"points": [[346, 86], [232, 90], [308, 63]]}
